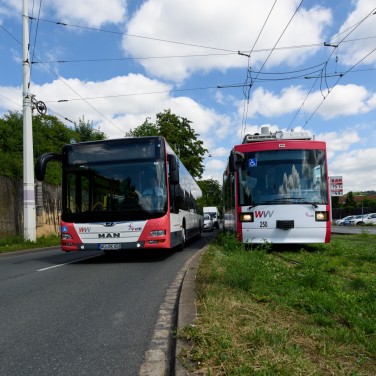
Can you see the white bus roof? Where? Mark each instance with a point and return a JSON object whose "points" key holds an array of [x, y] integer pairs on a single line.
{"points": [[265, 135]]}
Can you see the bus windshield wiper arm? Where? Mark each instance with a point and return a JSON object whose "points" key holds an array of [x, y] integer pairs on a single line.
{"points": [[286, 200], [304, 201]]}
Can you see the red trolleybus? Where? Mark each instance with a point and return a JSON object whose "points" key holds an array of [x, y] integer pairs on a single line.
{"points": [[276, 189], [124, 194]]}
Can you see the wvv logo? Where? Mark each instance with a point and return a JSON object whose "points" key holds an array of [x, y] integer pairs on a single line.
{"points": [[263, 213], [83, 230]]}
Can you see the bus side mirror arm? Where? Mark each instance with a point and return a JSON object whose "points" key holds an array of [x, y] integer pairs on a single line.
{"points": [[235, 160], [41, 165], [174, 169]]}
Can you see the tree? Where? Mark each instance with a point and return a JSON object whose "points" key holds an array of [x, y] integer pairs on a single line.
{"points": [[350, 201], [11, 145], [368, 203], [180, 136], [335, 202], [211, 193], [85, 131], [145, 129], [49, 135]]}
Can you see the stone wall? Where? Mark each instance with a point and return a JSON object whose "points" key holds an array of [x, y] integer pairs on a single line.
{"points": [[48, 207]]}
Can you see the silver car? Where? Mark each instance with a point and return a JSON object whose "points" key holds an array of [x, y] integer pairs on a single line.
{"points": [[364, 219], [340, 222]]}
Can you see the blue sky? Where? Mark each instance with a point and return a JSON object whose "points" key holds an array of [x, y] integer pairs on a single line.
{"points": [[118, 62]]}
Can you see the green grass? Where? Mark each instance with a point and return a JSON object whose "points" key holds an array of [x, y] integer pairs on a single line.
{"points": [[296, 311], [17, 243]]}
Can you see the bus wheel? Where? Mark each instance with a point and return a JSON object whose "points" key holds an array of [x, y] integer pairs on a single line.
{"points": [[183, 236]]}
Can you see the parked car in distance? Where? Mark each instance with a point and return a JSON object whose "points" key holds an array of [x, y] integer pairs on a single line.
{"points": [[340, 222], [355, 220], [363, 219], [370, 219], [208, 223]]}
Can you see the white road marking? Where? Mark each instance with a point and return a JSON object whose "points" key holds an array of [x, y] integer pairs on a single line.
{"points": [[66, 263]]}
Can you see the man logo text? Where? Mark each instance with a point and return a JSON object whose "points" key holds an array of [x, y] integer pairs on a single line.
{"points": [[109, 235]]}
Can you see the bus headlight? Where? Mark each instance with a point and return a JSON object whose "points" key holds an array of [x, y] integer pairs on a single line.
{"points": [[321, 216], [158, 233], [246, 217]]}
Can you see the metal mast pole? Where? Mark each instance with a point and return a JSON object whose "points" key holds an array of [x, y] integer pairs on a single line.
{"points": [[28, 159]]}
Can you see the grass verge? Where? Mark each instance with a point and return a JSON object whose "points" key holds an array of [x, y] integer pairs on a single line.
{"points": [[18, 243], [296, 311]]}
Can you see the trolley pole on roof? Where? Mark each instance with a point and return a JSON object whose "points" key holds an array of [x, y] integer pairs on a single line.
{"points": [[28, 158]]}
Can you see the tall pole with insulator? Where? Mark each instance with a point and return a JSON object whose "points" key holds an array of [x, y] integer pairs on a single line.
{"points": [[28, 159]]}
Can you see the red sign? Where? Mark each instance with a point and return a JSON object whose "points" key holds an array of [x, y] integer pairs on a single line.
{"points": [[336, 187]]}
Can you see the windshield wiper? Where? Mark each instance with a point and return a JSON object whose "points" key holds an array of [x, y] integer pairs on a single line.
{"points": [[287, 200]]}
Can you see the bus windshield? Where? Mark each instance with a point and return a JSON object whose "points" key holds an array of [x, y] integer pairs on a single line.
{"points": [[114, 191], [283, 177]]}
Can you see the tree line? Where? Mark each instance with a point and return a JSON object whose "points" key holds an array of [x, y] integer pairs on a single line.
{"points": [[50, 135], [356, 200]]}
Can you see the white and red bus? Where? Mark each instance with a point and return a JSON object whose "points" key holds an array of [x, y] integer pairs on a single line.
{"points": [[275, 189], [124, 194]]}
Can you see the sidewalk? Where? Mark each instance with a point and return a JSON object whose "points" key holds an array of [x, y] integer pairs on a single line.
{"points": [[349, 230], [187, 307]]}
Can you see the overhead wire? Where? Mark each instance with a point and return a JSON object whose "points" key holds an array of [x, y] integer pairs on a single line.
{"points": [[36, 34], [138, 36], [131, 58], [246, 53], [11, 100], [330, 90], [66, 84], [13, 37], [37, 145], [256, 78], [270, 53], [249, 74], [335, 46]]}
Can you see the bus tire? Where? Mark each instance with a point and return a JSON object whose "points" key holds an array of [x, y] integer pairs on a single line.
{"points": [[199, 231], [183, 237]]}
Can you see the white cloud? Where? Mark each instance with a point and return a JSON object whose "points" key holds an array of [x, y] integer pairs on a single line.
{"points": [[355, 167], [220, 152], [214, 170], [129, 101], [10, 99], [117, 111], [357, 48], [10, 8], [93, 13], [197, 23], [269, 104], [339, 141], [343, 100]]}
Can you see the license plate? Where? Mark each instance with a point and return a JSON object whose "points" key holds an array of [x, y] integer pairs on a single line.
{"points": [[110, 246]]}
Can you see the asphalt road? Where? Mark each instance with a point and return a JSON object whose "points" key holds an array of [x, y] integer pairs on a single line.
{"points": [[82, 314]]}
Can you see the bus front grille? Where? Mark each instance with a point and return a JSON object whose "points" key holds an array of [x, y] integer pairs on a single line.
{"points": [[285, 225]]}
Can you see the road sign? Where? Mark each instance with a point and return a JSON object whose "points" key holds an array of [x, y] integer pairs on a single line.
{"points": [[336, 186]]}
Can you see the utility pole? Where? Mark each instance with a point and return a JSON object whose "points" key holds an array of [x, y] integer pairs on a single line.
{"points": [[28, 155]]}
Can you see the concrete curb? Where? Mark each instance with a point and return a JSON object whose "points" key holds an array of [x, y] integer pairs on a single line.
{"points": [[178, 309], [187, 306]]}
